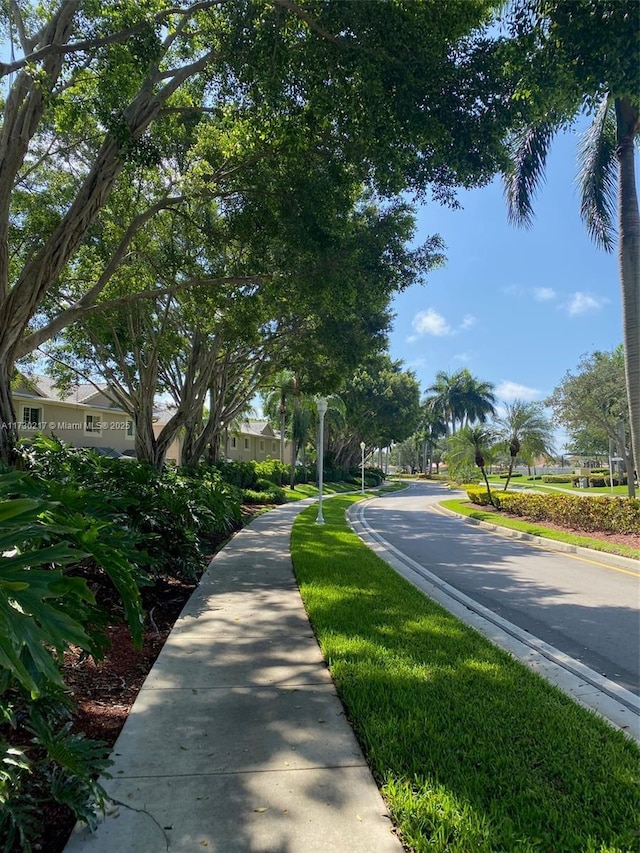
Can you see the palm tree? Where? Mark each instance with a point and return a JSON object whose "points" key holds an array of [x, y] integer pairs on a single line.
{"points": [[524, 426], [607, 170], [473, 442], [460, 398], [433, 428], [476, 397], [275, 402]]}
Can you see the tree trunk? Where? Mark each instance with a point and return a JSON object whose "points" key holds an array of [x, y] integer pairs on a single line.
{"points": [[512, 460], [8, 420], [627, 126]]}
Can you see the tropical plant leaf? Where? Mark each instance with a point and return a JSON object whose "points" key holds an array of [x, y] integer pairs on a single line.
{"points": [[598, 177]]}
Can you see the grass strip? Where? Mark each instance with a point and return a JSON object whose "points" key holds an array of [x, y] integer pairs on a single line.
{"points": [[472, 750], [308, 490], [463, 507]]}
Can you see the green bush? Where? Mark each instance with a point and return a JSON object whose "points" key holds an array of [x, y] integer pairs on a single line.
{"points": [[557, 478], [376, 476], [272, 495], [44, 609], [171, 511], [479, 495], [273, 470], [240, 474], [599, 514]]}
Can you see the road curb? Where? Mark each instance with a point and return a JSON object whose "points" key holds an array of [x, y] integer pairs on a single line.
{"points": [[618, 706]]}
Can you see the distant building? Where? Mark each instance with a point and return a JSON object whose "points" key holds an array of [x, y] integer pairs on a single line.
{"points": [[250, 440], [255, 440]]}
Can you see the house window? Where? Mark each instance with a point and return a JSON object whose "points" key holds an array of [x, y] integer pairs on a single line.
{"points": [[246, 444], [261, 445], [274, 449], [130, 430], [31, 417], [234, 443], [92, 425]]}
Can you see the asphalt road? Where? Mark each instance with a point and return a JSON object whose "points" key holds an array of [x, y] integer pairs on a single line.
{"points": [[584, 607]]}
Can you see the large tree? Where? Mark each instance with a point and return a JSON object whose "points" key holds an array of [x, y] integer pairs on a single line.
{"points": [[594, 398], [397, 92], [382, 406], [576, 57]]}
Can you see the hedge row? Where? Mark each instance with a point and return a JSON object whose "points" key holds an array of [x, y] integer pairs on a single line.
{"points": [[589, 514]]}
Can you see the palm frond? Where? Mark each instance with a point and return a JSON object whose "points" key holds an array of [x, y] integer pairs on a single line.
{"points": [[598, 178], [528, 158]]}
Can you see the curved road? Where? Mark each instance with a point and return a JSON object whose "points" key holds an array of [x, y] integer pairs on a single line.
{"points": [[585, 607]]}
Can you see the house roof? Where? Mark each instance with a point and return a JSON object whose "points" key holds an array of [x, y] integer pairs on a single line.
{"points": [[44, 388], [257, 428], [262, 428]]}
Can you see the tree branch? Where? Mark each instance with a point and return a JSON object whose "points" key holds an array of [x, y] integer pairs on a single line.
{"points": [[57, 48]]}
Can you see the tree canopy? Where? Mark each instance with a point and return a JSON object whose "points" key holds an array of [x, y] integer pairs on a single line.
{"points": [[392, 96]]}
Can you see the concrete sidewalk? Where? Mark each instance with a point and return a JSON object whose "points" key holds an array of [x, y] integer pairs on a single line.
{"points": [[237, 742]]}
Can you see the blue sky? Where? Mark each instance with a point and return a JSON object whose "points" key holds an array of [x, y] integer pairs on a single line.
{"points": [[517, 307]]}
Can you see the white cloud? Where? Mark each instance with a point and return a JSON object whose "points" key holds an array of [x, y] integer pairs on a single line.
{"points": [[464, 357], [514, 290], [544, 294], [416, 363], [583, 303], [431, 323], [510, 391]]}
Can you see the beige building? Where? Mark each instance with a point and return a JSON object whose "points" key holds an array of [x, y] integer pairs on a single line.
{"points": [[255, 440], [251, 440], [84, 417]]}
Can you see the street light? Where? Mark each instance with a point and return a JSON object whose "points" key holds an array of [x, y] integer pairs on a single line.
{"points": [[322, 409], [362, 446]]}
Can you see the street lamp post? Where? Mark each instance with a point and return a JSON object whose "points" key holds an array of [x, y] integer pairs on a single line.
{"points": [[362, 446], [322, 409]]}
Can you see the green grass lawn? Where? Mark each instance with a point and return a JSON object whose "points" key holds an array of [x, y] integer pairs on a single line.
{"points": [[308, 490], [472, 751]]}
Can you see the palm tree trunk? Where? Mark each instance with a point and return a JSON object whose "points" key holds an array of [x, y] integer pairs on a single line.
{"points": [[512, 460], [627, 126]]}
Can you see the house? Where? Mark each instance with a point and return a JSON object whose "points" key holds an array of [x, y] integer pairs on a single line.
{"points": [[250, 440], [255, 439], [86, 417], [83, 417]]}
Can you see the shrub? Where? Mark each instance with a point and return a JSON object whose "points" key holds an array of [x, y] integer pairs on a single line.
{"points": [[240, 474], [375, 475], [276, 472], [557, 478], [168, 511], [44, 609], [479, 495], [600, 514], [597, 480], [272, 495]]}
